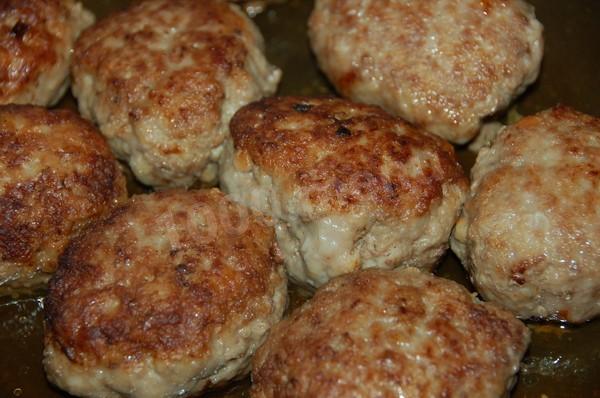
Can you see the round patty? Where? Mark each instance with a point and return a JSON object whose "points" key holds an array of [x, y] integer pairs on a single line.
{"points": [[163, 78], [443, 65], [400, 333], [529, 234], [36, 42], [56, 175], [170, 295], [348, 185]]}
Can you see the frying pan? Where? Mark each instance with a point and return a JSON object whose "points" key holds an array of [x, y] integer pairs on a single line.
{"points": [[562, 361]]}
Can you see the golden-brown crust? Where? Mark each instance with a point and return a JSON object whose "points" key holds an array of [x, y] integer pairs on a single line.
{"points": [[340, 154], [222, 53], [163, 276], [378, 333], [56, 174], [163, 77], [27, 38], [443, 65], [36, 38]]}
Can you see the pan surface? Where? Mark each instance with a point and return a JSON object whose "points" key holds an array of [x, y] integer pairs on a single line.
{"points": [[562, 361]]}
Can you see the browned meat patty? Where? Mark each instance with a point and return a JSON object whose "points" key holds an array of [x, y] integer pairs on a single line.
{"points": [[36, 42], [400, 333], [168, 296], [441, 64], [56, 175], [348, 185], [529, 234], [163, 78]]}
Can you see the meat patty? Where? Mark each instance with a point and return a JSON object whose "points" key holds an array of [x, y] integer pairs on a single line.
{"points": [[443, 65], [163, 78], [348, 185], [56, 175], [36, 42], [529, 234], [168, 296], [400, 333]]}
